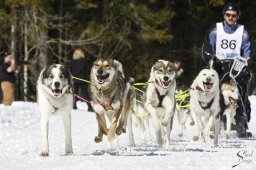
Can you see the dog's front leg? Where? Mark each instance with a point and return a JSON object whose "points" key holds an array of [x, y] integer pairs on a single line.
{"points": [[169, 103], [68, 140], [102, 129], [198, 125], [217, 131], [44, 132], [123, 120], [207, 130], [112, 128], [154, 116], [228, 123]]}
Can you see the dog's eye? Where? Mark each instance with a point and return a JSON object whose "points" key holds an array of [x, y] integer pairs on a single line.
{"points": [[107, 65], [213, 75], [204, 74], [97, 65], [161, 70], [62, 75], [51, 76]]}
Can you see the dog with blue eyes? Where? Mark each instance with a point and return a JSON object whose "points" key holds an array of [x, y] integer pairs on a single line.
{"points": [[55, 97]]}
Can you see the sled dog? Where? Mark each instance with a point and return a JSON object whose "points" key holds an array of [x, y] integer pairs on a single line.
{"points": [[230, 94], [182, 113], [160, 100], [112, 97], [138, 120], [205, 105], [54, 92]]}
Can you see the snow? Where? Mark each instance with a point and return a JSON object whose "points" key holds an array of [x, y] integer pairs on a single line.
{"points": [[20, 144]]}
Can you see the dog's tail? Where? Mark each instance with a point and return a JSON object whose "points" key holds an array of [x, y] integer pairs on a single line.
{"points": [[131, 81]]}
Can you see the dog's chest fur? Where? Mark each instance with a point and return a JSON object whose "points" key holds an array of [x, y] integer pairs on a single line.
{"points": [[160, 96], [55, 105], [110, 93], [206, 103]]}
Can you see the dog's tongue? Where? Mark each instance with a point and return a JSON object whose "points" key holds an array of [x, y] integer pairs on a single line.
{"points": [[56, 92], [234, 102], [207, 86]]}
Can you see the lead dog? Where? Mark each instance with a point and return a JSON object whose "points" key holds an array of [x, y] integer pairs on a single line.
{"points": [[205, 105], [160, 99], [112, 98], [54, 92], [230, 94]]}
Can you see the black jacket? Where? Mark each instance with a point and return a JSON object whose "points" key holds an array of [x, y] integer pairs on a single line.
{"points": [[80, 69], [6, 76]]}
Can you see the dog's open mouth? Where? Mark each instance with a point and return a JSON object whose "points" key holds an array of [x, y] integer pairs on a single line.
{"points": [[207, 86], [165, 84], [103, 78], [56, 92], [233, 102]]}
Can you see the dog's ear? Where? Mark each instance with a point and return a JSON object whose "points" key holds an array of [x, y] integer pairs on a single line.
{"points": [[119, 67], [66, 73], [223, 86]]}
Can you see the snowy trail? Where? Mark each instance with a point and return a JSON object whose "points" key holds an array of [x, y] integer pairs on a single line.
{"points": [[20, 143]]}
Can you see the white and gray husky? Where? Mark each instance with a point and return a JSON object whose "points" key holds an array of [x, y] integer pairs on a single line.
{"points": [[160, 100]]}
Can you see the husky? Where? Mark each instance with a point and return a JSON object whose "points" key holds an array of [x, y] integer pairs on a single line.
{"points": [[230, 94], [112, 97], [138, 120], [205, 105], [160, 100], [55, 97], [182, 114]]}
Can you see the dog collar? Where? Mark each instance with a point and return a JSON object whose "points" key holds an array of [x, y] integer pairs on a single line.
{"points": [[198, 88]]}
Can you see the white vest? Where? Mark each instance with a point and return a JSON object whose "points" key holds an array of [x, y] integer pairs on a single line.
{"points": [[228, 46]]}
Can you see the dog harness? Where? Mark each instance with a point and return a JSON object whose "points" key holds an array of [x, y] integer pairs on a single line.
{"points": [[208, 106], [160, 98], [54, 108]]}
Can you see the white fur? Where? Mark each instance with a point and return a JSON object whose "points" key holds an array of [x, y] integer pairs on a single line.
{"points": [[206, 119], [47, 104]]}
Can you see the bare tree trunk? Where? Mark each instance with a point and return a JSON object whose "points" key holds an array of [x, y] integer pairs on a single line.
{"points": [[43, 49], [25, 69]]}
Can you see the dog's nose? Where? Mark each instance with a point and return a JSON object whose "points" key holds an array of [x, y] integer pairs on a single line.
{"points": [[57, 84], [100, 72], [208, 79], [166, 78]]}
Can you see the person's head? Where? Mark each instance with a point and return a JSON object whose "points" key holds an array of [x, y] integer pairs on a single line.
{"points": [[78, 54], [8, 58], [231, 13], [177, 64]]}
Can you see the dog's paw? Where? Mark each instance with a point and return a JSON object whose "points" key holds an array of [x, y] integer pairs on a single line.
{"points": [[44, 154], [97, 139], [192, 123], [69, 154], [180, 134], [227, 136], [120, 130], [164, 123], [195, 138], [211, 135]]}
